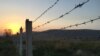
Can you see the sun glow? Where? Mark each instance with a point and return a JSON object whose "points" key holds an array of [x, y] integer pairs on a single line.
{"points": [[14, 27]]}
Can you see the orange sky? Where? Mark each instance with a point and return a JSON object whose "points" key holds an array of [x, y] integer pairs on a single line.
{"points": [[12, 22], [13, 14]]}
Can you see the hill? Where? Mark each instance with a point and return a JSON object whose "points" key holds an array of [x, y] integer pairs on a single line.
{"points": [[67, 34]]}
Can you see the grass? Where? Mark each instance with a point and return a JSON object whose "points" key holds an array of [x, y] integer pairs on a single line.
{"points": [[55, 48], [66, 48]]}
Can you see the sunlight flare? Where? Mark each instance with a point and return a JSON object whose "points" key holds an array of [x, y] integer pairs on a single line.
{"points": [[14, 27]]}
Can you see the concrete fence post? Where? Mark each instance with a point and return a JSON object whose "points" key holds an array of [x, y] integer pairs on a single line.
{"points": [[28, 37]]}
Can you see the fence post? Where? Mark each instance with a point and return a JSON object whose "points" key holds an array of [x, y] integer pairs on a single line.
{"points": [[28, 38], [20, 43]]}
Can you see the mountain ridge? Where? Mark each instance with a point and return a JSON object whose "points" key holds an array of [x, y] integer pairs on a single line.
{"points": [[67, 34]]}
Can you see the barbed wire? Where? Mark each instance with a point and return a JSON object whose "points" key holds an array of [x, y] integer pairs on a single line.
{"points": [[46, 11], [77, 6], [83, 23]]}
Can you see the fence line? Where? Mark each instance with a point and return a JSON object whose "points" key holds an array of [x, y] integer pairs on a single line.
{"points": [[77, 6]]}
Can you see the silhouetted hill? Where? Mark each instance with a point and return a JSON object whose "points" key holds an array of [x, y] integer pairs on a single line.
{"points": [[67, 34]]}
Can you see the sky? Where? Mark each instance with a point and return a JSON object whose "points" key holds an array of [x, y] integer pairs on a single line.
{"points": [[13, 14]]}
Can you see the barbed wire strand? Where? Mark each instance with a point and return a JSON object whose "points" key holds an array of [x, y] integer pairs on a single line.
{"points": [[77, 6], [46, 11], [83, 23]]}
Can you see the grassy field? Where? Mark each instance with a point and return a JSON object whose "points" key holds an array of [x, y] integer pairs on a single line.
{"points": [[55, 48]]}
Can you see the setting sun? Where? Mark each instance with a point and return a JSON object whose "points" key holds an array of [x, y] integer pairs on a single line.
{"points": [[14, 27]]}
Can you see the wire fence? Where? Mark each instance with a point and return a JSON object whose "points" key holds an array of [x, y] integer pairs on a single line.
{"points": [[61, 16], [77, 6]]}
